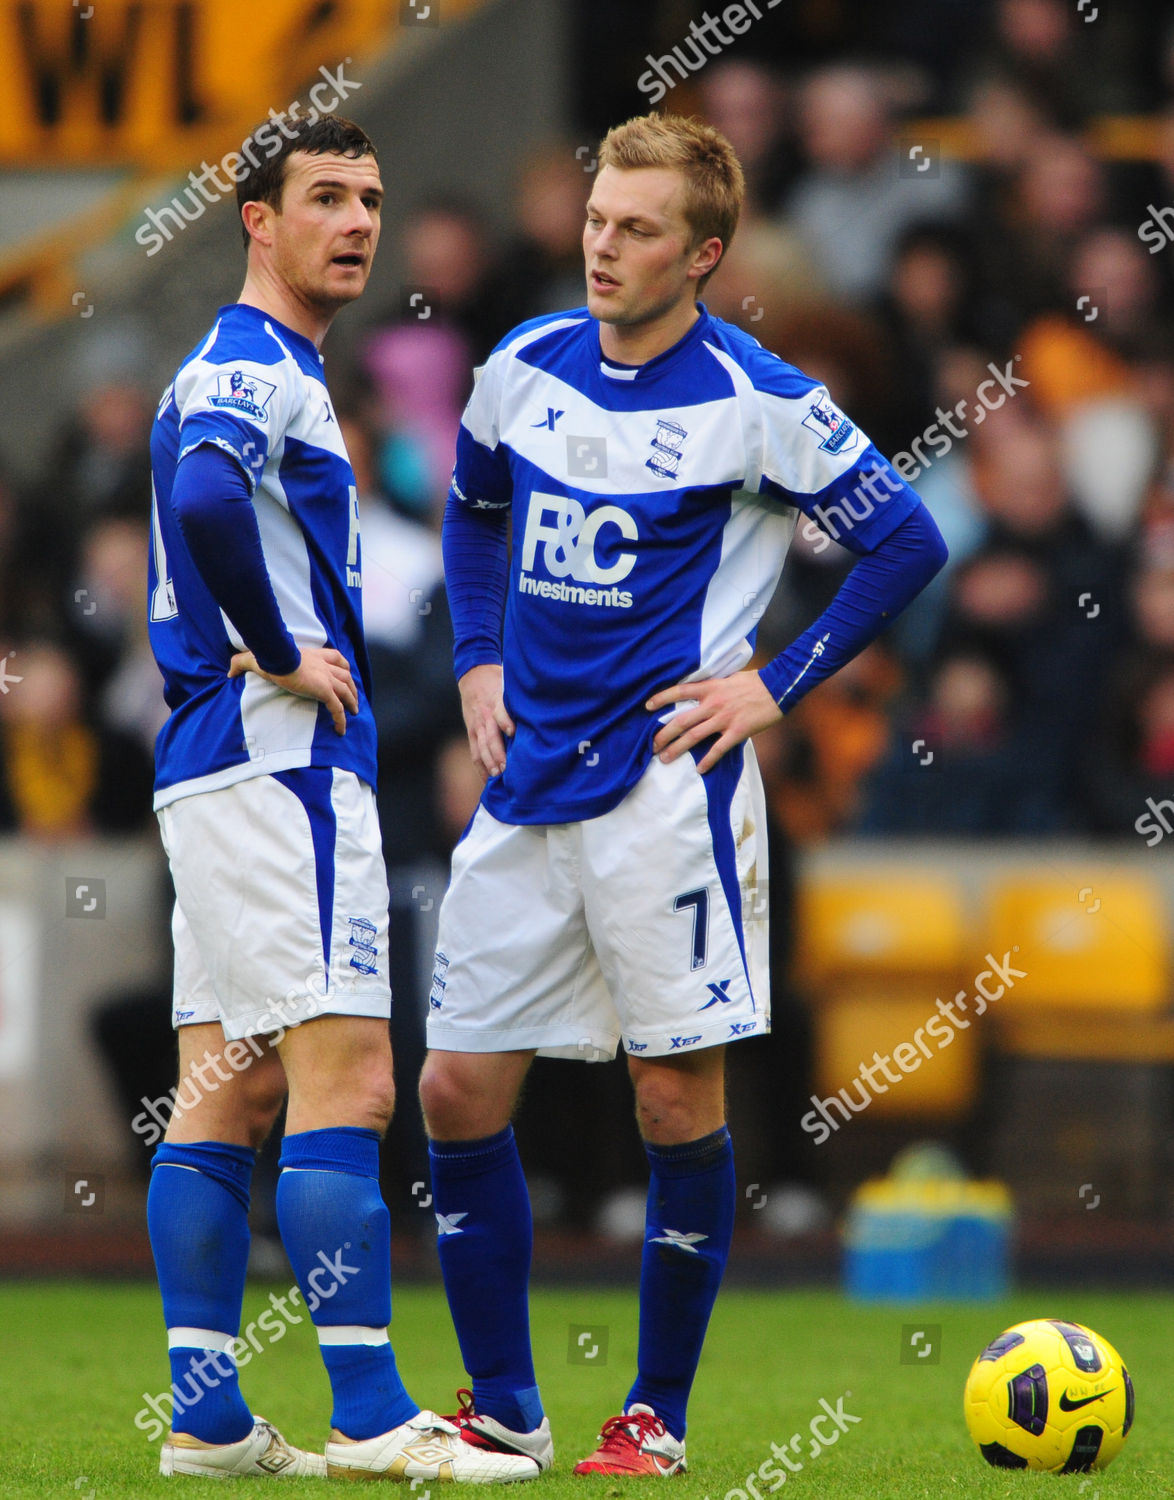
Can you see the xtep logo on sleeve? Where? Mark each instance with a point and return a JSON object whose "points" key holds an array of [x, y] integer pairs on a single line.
{"points": [[567, 539]]}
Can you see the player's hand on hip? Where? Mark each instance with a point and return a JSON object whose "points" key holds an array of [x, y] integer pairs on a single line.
{"points": [[726, 709], [486, 720], [323, 674]]}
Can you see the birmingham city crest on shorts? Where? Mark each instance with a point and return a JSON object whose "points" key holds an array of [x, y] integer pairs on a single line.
{"points": [[243, 392], [832, 426], [666, 448]]}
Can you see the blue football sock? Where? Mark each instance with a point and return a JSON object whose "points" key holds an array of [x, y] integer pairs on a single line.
{"points": [[337, 1233], [485, 1238], [689, 1225], [197, 1217]]}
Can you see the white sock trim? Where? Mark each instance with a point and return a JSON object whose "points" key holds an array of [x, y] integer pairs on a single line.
{"points": [[351, 1333], [200, 1338]]}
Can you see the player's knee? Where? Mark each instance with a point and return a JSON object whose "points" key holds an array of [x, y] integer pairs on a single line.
{"points": [[454, 1106], [669, 1108], [661, 1117], [441, 1099], [365, 1105], [263, 1107], [373, 1096]]}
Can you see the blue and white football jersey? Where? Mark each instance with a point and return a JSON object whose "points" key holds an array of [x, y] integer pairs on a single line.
{"points": [[652, 508], [255, 389]]}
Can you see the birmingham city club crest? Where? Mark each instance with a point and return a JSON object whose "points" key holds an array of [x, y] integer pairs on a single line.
{"points": [[666, 448]]}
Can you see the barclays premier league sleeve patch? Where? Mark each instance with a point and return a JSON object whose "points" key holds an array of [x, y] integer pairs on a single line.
{"points": [[240, 391], [836, 433]]}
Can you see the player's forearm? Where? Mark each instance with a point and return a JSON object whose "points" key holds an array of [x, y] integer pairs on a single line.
{"points": [[211, 501], [878, 588], [476, 574]]}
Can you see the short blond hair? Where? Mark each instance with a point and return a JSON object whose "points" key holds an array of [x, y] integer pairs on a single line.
{"points": [[714, 184]]}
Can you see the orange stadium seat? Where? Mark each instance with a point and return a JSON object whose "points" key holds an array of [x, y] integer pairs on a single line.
{"points": [[877, 950], [879, 925], [1097, 955], [1086, 941]]}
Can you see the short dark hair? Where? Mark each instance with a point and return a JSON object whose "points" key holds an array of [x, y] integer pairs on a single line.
{"points": [[263, 175]]}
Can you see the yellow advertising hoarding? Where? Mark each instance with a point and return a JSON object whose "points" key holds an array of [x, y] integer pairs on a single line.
{"points": [[157, 83]]}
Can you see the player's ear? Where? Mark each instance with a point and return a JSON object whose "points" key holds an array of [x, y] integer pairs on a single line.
{"points": [[257, 217], [705, 257]]}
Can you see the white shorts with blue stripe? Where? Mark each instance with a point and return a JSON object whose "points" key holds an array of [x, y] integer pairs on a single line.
{"points": [[281, 902], [645, 927]]}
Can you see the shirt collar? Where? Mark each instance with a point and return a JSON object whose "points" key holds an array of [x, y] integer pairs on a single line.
{"points": [[651, 368], [307, 346]]}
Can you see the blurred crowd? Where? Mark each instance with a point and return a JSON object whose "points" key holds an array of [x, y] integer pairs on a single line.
{"points": [[1023, 233]]}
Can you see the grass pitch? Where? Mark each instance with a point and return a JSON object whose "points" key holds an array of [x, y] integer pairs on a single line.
{"points": [[76, 1359]]}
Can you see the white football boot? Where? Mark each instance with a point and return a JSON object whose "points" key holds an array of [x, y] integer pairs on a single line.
{"points": [[489, 1433], [262, 1452], [426, 1447]]}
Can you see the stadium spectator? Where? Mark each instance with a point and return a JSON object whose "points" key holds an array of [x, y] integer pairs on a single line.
{"points": [[62, 776], [1035, 46], [102, 466], [831, 743], [850, 203], [953, 765], [105, 599], [1131, 757], [928, 307], [1057, 194], [769, 276], [749, 103], [450, 274], [1042, 599], [418, 375], [542, 266], [1112, 315]]}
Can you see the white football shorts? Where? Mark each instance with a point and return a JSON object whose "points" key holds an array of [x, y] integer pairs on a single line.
{"points": [[645, 927], [281, 902]]}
